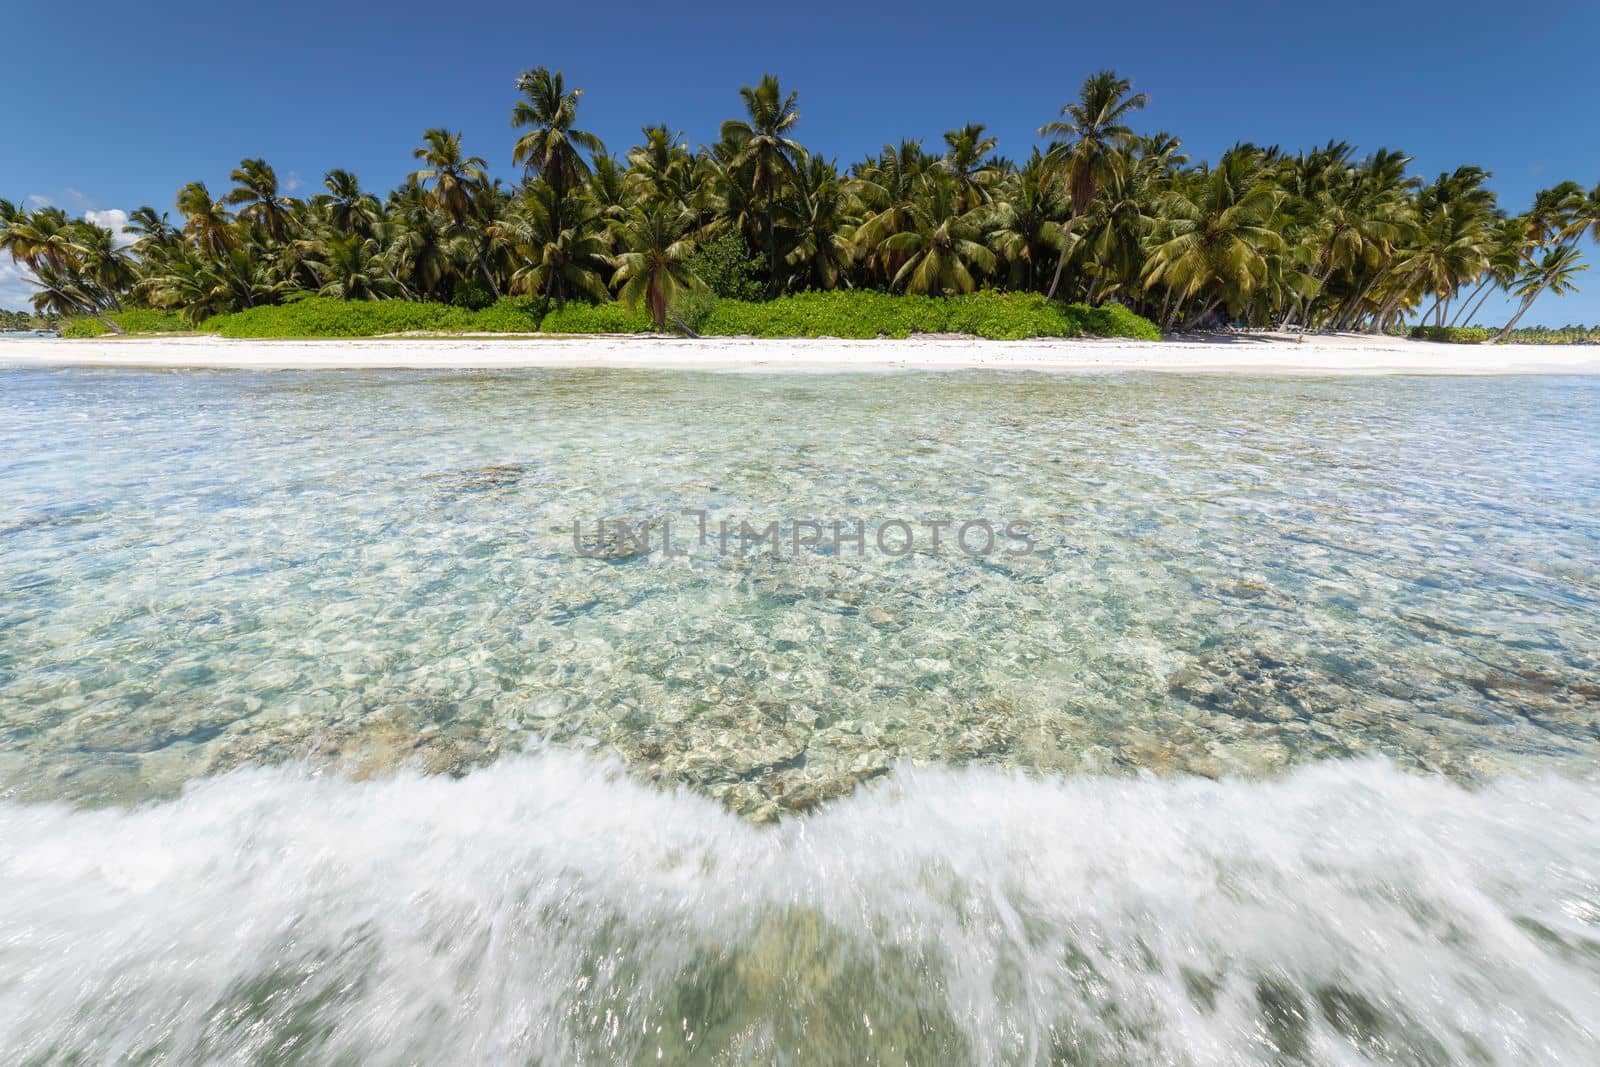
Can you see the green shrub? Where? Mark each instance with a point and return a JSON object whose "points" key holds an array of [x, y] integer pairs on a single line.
{"points": [[854, 313], [694, 309], [868, 314], [596, 318], [1456, 335], [509, 314], [1113, 320], [727, 266], [83, 329], [133, 320], [320, 316]]}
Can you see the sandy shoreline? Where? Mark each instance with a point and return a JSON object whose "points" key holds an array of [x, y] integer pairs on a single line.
{"points": [[1345, 354]]}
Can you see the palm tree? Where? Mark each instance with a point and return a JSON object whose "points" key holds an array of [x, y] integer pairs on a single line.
{"points": [[345, 207], [154, 231], [1565, 212], [943, 248], [201, 286], [1554, 273], [967, 160], [1090, 131], [819, 214], [550, 147], [655, 270], [763, 153], [1026, 217], [257, 190], [352, 268], [561, 256], [460, 182], [207, 224], [888, 188], [1217, 237]]}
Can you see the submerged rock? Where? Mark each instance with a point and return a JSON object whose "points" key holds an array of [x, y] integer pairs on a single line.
{"points": [[478, 479], [1252, 682]]}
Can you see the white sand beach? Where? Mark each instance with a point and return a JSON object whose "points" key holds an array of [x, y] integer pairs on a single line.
{"points": [[1341, 354]]}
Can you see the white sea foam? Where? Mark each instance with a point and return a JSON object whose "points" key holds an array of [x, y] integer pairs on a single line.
{"points": [[549, 910]]}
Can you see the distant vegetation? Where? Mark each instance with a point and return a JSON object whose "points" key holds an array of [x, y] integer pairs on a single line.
{"points": [[1555, 335], [1523, 335], [27, 320], [1457, 335], [131, 320], [1098, 215]]}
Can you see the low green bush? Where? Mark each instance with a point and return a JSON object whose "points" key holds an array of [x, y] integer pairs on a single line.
{"points": [[320, 316], [727, 266], [134, 320], [1114, 320], [596, 318], [853, 313], [869, 314], [1456, 335], [509, 314]]}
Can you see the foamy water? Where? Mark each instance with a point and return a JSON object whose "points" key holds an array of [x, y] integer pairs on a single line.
{"points": [[548, 910]]}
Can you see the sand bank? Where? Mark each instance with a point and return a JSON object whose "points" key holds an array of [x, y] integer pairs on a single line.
{"points": [[1344, 354]]}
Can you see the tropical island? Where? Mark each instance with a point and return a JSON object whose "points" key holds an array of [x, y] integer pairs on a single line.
{"points": [[1102, 231]]}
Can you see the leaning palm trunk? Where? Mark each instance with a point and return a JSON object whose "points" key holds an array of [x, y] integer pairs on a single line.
{"points": [[1351, 312], [488, 275], [1484, 299], [1467, 303], [1061, 260], [1527, 302]]}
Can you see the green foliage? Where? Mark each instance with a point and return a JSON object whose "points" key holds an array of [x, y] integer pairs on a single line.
{"points": [[84, 329], [509, 314], [1456, 335], [870, 314], [1554, 335], [319, 316], [596, 318], [694, 308], [728, 267], [24, 320], [841, 313], [1114, 320], [133, 321]]}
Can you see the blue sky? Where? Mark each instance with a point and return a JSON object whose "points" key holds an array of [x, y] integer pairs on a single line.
{"points": [[111, 110]]}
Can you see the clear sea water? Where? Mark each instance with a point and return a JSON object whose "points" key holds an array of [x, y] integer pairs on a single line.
{"points": [[322, 740]]}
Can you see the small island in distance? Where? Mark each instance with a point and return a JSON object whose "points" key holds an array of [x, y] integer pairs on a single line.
{"points": [[1101, 230]]}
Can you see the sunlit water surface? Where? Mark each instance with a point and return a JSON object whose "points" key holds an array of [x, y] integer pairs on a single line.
{"points": [[324, 742]]}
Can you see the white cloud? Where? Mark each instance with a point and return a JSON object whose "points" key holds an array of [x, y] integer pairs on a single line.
{"points": [[38, 200], [292, 182], [14, 290], [116, 220]]}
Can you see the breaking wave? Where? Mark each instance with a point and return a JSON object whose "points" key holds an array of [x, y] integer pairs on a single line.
{"points": [[548, 910]]}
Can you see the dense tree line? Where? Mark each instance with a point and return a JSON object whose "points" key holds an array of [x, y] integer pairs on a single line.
{"points": [[1319, 239]]}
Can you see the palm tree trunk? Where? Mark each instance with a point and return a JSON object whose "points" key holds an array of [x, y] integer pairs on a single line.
{"points": [[1467, 303], [1527, 302], [488, 275], [1352, 308], [1479, 307], [772, 249], [1061, 260]]}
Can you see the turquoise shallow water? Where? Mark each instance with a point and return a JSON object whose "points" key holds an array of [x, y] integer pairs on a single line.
{"points": [[1303, 676], [1229, 576]]}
